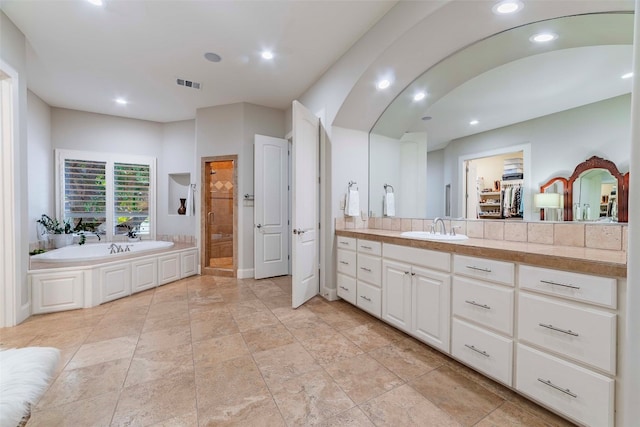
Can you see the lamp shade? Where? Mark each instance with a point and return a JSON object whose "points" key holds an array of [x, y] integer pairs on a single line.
{"points": [[547, 200]]}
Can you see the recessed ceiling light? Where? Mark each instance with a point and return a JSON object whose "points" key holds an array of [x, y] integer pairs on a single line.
{"points": [[419, 96], [96, 2], [473, 122], [507, 6], [627, 76], [213, 57], [121, 101], [267, 54], [543, 37], [383, 84]]}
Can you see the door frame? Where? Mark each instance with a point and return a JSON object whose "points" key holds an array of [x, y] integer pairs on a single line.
{"points": [[462, 181], [204, 175]]}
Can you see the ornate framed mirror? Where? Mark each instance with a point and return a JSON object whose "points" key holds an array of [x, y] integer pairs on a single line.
{"points": [[597, 190], [557, 185]]}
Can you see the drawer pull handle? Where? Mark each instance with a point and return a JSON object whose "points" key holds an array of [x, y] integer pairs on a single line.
{"points": [[344, 262], [478, 305], [564, 331], [406, 272], [366, 247], [343, 288], [344, 243], [365, 269], [482, 352], [549, 282], [365, 298], [486, 270], [552, 385]]}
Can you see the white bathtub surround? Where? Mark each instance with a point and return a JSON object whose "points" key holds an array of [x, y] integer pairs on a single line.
{"points": [[86, 282]]}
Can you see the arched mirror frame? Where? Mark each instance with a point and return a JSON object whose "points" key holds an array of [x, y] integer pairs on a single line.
{"points": [[596, 162], [565, 195]]}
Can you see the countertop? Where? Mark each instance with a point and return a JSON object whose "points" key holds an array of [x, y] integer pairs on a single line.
{"points": [[580, 260]]}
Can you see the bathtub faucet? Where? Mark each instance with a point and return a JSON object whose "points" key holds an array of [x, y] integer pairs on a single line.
{"points": [[115, 249]]}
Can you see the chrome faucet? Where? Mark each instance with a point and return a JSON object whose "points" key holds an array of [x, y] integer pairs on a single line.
{"points": [[114, 249], [435, 225]]}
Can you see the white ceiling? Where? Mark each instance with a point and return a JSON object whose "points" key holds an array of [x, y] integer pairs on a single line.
{"points": [[83, 57]]}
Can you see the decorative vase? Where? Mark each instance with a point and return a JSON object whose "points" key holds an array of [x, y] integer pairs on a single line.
{"points": [[62, 240], [183, 208]]}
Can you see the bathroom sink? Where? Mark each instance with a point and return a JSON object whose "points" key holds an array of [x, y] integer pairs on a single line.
{"points": [[434, 236]]}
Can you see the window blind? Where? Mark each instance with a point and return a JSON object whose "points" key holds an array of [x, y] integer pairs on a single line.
{"points": [[131, 196], [85, 192]]}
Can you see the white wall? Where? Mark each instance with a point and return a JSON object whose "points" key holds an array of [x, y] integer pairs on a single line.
{"points": [[558, 142], [13, 53], [435, 184], [81, 130], [172, 144], [385, 169], [178, 155], [40, 165], [229, 130]]}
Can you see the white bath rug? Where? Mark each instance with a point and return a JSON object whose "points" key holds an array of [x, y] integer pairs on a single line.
{"points": [[24, 376]]}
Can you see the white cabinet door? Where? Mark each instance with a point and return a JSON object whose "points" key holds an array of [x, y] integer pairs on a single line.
{"points": [[57, 291], [144, 275], [431, 293], [396, 294], [115, 282], [188, 264], [169, 268]]}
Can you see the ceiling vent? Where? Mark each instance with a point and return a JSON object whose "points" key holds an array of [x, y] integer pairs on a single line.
{"points": [[188, 83]]}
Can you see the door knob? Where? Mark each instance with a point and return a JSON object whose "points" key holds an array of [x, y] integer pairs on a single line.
{"points": [[298, 231], [259, 226]]}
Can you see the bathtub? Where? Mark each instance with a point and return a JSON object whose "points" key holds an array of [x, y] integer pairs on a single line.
{"points": [[99, 251], [89, 275]]}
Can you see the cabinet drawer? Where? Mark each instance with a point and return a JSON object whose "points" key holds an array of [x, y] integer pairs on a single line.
{"points": [[489, 305], [575, 286], [369, 269], [369, 247], [580, 394], [346, 243], [579, 333], [369, 298], [347, 262], [421, 257], [347, 288], [486, 269], [483, 350]]}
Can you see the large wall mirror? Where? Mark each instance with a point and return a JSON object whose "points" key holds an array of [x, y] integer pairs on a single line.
{"points": [[564, 101]]}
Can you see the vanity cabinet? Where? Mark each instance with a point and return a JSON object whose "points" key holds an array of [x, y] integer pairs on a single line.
{"points": [[346, 266], [567, 346], [369, 277], [416, 299], [483, 313]]}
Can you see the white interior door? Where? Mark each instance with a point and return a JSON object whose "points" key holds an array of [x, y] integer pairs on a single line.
{"points": [[304, 254], [271, 207]]}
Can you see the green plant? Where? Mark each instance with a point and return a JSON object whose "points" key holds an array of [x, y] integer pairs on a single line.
{"points": [[54, 226], [132, 232]]}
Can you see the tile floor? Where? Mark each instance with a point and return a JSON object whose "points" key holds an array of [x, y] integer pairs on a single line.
{"points": [[216, 351]]}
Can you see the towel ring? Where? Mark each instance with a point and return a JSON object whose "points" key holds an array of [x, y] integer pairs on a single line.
{"points": [[351, 184], [386, 188]]}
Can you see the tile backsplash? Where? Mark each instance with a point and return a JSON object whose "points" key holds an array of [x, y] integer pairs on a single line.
{"points": [[575, 234]]}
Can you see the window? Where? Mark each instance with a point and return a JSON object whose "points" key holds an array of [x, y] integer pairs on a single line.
{"points": [[107, 192]]}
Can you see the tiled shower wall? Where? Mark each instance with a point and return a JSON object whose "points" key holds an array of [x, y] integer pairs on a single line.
{"points": [[576, 234]]}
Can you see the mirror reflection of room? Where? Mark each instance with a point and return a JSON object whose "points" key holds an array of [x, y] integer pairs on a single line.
{"points": [[595, 196]]}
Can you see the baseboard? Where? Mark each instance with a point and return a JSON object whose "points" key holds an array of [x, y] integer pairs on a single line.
{"points": [[246, 273], [23, 313], [329, 294]]}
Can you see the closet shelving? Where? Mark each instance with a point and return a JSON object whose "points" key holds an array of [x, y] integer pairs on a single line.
{"points": [[490, 204]]}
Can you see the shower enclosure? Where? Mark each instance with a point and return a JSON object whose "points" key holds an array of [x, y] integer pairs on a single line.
{"points": [[219, 215]]}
